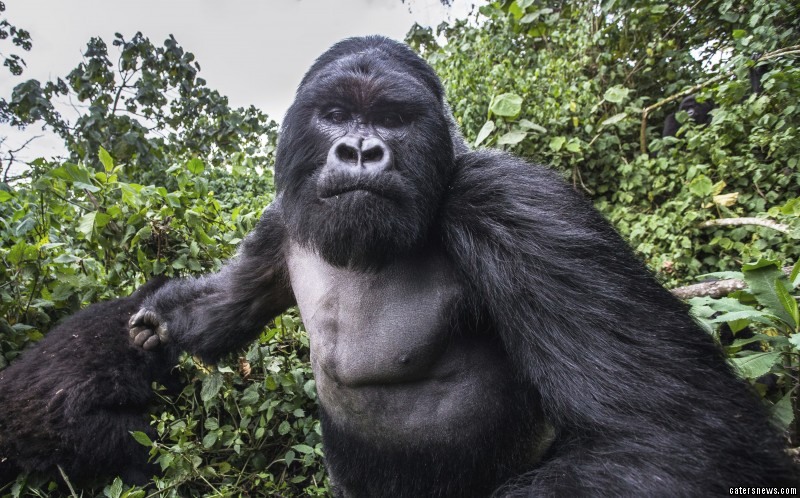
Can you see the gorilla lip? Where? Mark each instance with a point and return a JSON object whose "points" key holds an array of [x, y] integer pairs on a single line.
{"points": [[386, 185]]}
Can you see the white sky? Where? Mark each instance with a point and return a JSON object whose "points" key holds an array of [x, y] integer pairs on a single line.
{"points": [[253, 51]]}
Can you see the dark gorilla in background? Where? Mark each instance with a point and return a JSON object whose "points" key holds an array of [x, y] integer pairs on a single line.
{"points": [[74, 398], [476, 326], [699, 112]]}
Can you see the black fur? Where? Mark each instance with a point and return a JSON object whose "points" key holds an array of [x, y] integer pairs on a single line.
{"points": [[73, 399], [699, 113], [574, 371]]}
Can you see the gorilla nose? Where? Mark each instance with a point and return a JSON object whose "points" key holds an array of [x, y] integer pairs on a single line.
{"points": [[369, 153]]}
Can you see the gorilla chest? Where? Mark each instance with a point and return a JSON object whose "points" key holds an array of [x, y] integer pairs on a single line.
{"points": [[369, 328], [390, 360]]}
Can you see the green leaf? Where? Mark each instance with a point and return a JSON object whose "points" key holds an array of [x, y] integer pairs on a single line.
{"points": [[530, 125], [756, 365], [310, 388], [659, 9], [506, 105], [86, 224], [106, 160], [556, 143], [793, 276], [211, 386], [86, 186], [195, 166], [209, 440], [616, 94], [762, 277], [250, 396], [782, 411], [66, 259], [114, 490], [142, 438], [616, 118], [752, 315], [574, 146], [304, 449], [4, 196], [788, 302], [486, 130], [512, 137], [701, 186]]}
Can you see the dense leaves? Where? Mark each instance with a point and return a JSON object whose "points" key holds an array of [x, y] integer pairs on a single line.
{"points": [[146, 105]]}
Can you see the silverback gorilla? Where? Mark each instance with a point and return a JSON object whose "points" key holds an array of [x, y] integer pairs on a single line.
{"points": [[74, 398], [476, 326]]}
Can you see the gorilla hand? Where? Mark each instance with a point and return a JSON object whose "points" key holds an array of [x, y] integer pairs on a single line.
{"points": [[147, 330]]}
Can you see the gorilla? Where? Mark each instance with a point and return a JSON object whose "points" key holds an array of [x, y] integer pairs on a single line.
{"points": [[74, 398], [476, 326], [699, 112]]}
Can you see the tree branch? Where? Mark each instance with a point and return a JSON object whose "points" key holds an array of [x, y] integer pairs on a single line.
{"points": [[746, 221], [715, 288]]}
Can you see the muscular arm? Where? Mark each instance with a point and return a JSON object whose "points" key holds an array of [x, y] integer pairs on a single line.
{"points": [[632, 386], [217, 313]]}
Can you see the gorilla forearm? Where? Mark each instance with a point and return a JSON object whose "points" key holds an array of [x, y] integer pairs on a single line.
{"points": [[214, 314]]}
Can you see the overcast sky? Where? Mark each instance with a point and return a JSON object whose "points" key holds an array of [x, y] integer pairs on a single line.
{"points": [[253, 51]]}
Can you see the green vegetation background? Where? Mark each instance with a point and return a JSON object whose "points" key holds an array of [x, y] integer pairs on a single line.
{"points": [[164, 177]]}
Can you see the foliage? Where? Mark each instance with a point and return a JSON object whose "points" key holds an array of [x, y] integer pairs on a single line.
{"points": [[566, 82], [75, 235], [20, 38], [246, 426], [147, 108], [768, 311]]}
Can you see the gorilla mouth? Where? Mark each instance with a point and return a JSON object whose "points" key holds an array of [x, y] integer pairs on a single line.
{"points": [[345, 189], [383, 185]]}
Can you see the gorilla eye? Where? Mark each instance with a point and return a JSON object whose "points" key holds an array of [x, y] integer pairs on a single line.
{"points": [[337, 116], [390, 120]]}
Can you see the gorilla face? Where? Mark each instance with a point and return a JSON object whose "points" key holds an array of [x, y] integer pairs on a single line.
{"points": [[360, 164]]}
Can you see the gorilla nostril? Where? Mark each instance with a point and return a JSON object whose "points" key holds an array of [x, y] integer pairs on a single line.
{"points": [[373, 154], [347, 153]]}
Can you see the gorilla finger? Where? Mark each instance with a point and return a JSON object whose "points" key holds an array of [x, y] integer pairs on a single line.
{"points": [[136, 318], [142, 337], [144, 317], [136, 330], [162, 333], [152, 343]]}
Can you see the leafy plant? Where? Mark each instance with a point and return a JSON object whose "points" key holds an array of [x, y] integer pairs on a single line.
{"points": [[768, 311], [148, 108]]}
